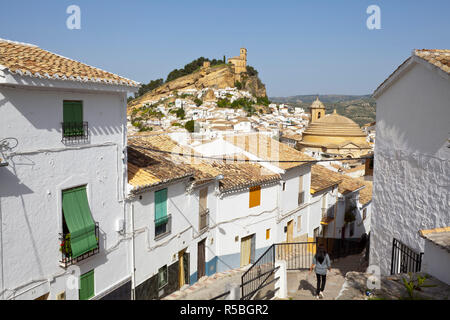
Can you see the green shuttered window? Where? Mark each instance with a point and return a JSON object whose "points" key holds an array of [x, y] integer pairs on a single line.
{"points": [[86, 290], [161, 207], [79, 221], [73, 118]]}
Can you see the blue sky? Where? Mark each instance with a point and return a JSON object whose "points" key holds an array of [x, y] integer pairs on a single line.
{"points": [[298, 47]]}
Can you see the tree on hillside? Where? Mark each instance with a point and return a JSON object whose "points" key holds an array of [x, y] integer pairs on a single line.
{"points": [[189, 125], [251, 71], [148, 87]]}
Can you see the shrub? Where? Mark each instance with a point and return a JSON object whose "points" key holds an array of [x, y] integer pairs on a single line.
{"points": [[198, 102], [189, 125], [223, 103]]}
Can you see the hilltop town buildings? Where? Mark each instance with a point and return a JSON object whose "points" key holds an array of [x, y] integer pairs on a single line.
{"points": [[412, 167], [140, 216]]}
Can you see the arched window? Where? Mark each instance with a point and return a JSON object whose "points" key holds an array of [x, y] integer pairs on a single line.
{"points": [[318, 115]]}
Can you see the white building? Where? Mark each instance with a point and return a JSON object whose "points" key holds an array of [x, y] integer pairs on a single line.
{"points": [[171, 205], [342, 204], [65, 179], [436, 257], [411, 174]]}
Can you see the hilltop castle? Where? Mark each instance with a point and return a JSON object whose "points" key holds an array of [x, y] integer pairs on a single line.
{"points": [[239, 62]]}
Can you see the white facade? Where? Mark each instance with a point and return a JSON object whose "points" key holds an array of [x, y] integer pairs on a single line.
{"points": [[436, 261], [412, 167], [41, 167], [153, 253]]}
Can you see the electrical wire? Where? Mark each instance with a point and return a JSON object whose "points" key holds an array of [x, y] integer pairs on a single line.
{"points": [[243, 160]]}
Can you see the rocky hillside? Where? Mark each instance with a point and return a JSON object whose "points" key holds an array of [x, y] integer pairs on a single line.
{"points": [[215, 77]]}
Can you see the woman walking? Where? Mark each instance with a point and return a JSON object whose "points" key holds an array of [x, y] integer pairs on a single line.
{"points": [[321, 262]]}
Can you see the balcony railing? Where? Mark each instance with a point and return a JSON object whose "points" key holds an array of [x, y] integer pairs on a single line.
{"points": [[327, 214], [203, 220], [163, 227], [66, 250], [75, 132]]}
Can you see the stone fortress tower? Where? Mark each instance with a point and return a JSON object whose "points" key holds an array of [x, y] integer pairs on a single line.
{"points": [[239, 62]]}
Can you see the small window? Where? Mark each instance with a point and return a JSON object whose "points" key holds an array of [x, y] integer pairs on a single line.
{"points": [[162, 277], [267, 234], [364, 213], [255, 196], [284, 186]]}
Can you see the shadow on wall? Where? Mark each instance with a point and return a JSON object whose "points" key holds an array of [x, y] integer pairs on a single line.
{"points": [[46, 117], [10, 185], [419, 139]]}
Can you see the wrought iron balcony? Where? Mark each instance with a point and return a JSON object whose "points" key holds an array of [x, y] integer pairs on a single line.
{"points": [[163, 227], [75, 132], [203, 220], [327, 215], [66, 250]]}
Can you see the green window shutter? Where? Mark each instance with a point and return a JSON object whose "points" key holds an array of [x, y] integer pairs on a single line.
{"points": [[73, 114], [86, 290], [79, 221], [161, 207], [72, 111]]}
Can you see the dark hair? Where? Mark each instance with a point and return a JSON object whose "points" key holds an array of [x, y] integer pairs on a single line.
{"points": [[320, 254]]}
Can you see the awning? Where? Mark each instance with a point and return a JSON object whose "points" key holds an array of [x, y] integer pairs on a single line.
{"points": [[79, 221]]}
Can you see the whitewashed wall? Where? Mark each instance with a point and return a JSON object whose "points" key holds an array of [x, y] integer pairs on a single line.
{"points": [[234, 219], [436, 262], [412, 168], [151, 254], [31, 186]]}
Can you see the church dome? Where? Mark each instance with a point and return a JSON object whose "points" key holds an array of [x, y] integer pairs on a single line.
{"points": [[333, 125]]}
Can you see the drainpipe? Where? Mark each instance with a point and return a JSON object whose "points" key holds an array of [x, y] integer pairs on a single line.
{"points": [[133, 262]]}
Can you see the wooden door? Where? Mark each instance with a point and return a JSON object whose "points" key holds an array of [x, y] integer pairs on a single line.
{"points": [[201, 259], [181, 268], [246, 250], [287, 249]]}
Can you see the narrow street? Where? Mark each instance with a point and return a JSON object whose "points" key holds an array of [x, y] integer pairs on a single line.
{"points": [[301, 284]]}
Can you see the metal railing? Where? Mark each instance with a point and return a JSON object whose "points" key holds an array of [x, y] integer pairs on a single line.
{"points": [[75, 132], [298, 255], [341, 248], [163, 227], [203, 220], [66, 250], [255, 277], [404, 259]]}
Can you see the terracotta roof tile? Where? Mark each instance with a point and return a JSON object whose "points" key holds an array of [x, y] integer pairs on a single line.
{"points": [[439, 236], [321, 178], [270, 149], [31, 60], [236, 174], [346, 185], [437, 57]]}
